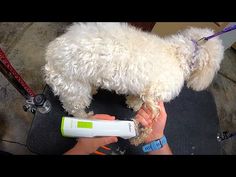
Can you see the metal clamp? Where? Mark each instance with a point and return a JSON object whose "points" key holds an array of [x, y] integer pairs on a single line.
{"points": [[39, 102]]}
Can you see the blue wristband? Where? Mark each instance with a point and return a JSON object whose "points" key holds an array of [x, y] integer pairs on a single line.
{"points": [[155, 145]]}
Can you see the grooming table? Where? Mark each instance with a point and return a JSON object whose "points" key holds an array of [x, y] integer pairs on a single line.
{"points": [[193, 124], [191, 127], [45, 137]]}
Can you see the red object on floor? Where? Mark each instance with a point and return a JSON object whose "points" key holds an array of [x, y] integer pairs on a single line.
{"points": [[12, 75]]}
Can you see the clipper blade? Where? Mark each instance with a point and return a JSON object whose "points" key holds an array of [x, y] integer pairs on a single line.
{"points": [[142, 134], [201, 41]]}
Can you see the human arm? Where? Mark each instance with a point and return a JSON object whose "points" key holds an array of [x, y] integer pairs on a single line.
{"points": [[144, 116], [86, 146]]}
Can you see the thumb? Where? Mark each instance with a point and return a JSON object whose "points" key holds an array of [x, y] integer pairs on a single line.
{"points": [[106, 140]]}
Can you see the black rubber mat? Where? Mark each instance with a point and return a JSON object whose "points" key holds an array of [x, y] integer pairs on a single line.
{"points": [[44, 136], [191, 126]]}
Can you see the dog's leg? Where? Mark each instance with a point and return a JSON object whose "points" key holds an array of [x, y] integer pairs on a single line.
{"points": [[152, 104], [76, 98], [134, 102], [145, 131]]}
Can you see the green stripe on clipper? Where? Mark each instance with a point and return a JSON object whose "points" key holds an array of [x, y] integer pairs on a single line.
{"points": [[84, 124], [62, 126]]}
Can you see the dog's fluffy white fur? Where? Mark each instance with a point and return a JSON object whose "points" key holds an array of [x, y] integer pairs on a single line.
{"points": [[121, 58]]}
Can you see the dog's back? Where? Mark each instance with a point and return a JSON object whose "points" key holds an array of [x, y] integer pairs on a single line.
{"points": [[114, 56]]}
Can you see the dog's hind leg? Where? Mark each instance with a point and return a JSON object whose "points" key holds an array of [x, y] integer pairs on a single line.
{"points": [[134, 102]]}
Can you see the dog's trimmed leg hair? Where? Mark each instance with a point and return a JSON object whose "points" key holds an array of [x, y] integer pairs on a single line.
{"points": [[143, 132], [134, 102]]}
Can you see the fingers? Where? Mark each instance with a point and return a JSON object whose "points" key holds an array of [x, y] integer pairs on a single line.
{"points": [[144, 116], [106, 140], [147, 110], [162, 110], [103, 117], [141, 120], [161, 104]]}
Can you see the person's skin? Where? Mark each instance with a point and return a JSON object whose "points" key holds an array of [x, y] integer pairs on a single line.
{"points": [[144, 116], [86, 146]]}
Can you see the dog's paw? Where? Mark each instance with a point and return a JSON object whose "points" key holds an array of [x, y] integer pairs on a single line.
{"points": [[81, 114], [134, 102], [90, 113], [143, 133]]}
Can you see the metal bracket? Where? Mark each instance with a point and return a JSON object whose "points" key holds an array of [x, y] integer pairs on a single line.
{"points": [[30, 106], [39, 102]]}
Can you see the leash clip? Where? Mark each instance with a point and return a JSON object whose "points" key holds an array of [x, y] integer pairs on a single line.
{"points": [[201, 41]]}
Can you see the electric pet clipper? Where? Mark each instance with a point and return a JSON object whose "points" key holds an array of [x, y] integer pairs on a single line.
{"points": [[77, 127]]}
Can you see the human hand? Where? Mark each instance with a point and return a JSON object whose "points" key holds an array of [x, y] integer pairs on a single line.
{"points": [[86, 146], [144, 116]]}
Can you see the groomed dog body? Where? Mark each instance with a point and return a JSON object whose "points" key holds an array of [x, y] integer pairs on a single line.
{"points": [[121, 58]]}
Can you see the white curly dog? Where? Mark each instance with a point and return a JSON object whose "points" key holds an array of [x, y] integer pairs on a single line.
{"points": [[121, 58]]}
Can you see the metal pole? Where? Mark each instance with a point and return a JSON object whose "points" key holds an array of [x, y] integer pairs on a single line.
{"points": [[13, 77]]}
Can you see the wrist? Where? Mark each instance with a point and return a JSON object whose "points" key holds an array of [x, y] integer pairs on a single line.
{"points": [[154, 137], [155, 145], [165, 150]]}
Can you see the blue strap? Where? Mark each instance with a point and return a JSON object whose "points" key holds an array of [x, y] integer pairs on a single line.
{"points": [[155, 145]]}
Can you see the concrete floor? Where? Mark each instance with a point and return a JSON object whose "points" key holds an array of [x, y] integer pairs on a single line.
{"points": [[24, 44], [223, 89]]}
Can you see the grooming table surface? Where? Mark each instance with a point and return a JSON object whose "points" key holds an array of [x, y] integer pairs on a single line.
{"points": [[191, 127]]}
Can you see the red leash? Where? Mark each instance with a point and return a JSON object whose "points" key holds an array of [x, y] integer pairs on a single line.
{"points": [[17, 81]]}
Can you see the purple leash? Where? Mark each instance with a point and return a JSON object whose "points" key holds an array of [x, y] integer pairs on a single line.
{"points": [[204, 39], [230, 28]]}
